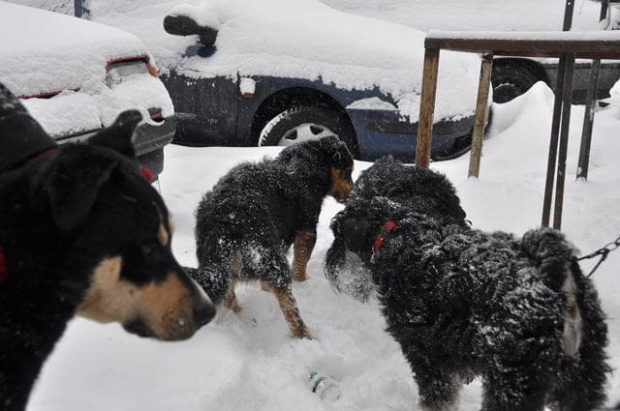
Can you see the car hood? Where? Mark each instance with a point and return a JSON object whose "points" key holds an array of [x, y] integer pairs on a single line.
{"points": [[57, 65]]}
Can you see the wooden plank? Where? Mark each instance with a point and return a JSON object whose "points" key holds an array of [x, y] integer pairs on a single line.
{"points": [[486, 67], [427, 107], [590, 44]]}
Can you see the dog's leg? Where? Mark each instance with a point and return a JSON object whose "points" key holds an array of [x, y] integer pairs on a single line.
{"points": [[303, 246], [289, 309], [438, 392], [230, 299], [271, 267], [522, 388]]}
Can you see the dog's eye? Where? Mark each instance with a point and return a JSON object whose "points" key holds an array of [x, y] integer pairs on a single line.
{"points": [[148, 249]]}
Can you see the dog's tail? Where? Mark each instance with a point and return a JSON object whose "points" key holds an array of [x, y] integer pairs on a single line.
{"points": [[554, 257], [214, 284], [584, 339]]}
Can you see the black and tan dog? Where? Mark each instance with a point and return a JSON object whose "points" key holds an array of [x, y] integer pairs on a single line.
{"points": [[518, 313], [81, 232], [253, 215]]}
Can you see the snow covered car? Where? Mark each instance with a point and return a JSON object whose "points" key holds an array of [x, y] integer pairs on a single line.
{"points": [[76, 76], [276, 72], [512, 76]]}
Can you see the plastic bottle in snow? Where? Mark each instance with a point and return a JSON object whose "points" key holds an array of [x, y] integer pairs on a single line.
{"points": [[325, 387]]}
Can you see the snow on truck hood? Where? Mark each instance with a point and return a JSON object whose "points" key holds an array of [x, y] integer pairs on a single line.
{"points": [[302, 39], [45, 53]]}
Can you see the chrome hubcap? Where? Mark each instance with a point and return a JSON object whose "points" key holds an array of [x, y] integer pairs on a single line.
{"points": [[305, 132]]}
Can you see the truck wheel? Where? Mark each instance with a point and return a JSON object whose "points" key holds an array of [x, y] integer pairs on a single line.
{"points": [[303, 123], [510, 81]]}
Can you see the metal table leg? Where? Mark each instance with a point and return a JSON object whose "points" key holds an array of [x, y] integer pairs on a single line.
{"points": [[567, 99]]}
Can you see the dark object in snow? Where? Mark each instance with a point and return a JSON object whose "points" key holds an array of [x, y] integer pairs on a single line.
{"points": [[16, 148], [519, 313], [82, 232], [253, 215]]}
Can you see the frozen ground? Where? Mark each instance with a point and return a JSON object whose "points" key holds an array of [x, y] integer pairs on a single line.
{"points": [[248, 361]]}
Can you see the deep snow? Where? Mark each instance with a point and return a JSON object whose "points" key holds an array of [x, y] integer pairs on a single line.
{"points": [[248, 361]]}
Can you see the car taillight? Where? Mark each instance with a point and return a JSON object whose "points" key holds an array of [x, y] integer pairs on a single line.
{"points": [[119, 70], [152, 70], [156, 115]]}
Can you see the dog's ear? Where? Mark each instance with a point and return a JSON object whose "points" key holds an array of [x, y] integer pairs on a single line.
{"points": [[337, 151], [356, 234], [119, 136], [72, 185], [351, 229]]}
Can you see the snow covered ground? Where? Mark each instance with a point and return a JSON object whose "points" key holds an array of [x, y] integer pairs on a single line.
{"points": [[249, 362]]}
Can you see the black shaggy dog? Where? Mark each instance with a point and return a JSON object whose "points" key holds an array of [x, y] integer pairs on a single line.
{"points": [[81, 232], [462, 303], [253, 215]]}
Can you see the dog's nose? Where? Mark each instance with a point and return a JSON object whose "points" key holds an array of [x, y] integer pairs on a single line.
{"points": [[338, 196], [204, 312]]}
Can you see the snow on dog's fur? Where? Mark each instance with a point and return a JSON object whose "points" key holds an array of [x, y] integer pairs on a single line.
{"points": [[463, 303], [257, 211]]}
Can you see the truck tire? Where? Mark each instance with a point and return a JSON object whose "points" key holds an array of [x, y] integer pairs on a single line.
{"points": [[510, 81], [302, 123]]}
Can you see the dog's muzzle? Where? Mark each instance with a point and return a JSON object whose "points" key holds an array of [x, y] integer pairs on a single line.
{"points": [[347, 273]]}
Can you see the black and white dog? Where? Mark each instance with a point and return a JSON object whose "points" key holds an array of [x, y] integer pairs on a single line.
{"points": [[462, 303]]}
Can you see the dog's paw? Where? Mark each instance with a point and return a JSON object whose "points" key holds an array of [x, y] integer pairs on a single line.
{"points": [[302, 332], [300, 276]]}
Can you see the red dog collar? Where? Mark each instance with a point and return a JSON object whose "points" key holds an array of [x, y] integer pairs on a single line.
{"points": [[4, 272], [147, 173], [387, 227]]}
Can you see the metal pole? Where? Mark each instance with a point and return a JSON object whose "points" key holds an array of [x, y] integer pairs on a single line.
{"points": [[604, 8], [77, 8], [568, 15], [80, 9], [427, 107], [486, 67], [553, 143], [557, 118], [588, 121], [567, 98]]}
